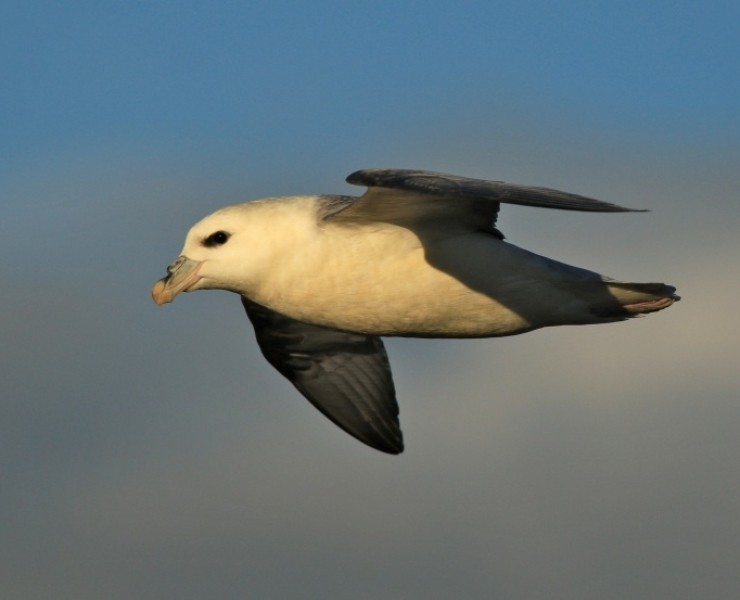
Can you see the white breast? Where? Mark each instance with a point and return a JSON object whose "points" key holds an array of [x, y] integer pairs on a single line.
{"points": [[377, 278]]}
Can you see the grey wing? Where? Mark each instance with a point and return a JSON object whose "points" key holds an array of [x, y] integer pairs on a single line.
{"points": [[451, 195], [345, 375]]}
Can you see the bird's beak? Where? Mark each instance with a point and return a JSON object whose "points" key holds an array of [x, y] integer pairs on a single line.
{"points": [[181, 275]]}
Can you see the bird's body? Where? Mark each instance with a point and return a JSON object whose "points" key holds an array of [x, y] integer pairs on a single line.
{"points": [[418, 255], [374, 279]]}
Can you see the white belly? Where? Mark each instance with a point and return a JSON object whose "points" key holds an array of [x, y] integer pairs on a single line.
{"points": [[381, 280]]}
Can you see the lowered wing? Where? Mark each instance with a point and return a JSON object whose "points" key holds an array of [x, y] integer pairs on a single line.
{"points": [[345, 375]]}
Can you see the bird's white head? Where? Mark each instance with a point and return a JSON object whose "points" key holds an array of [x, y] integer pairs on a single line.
{"points": [[225, 250]]}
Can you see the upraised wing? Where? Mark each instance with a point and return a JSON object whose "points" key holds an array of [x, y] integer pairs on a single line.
{"points": [[408, 196], [454, 186]]}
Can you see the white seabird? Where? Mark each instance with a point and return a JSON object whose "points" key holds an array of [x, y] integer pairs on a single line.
{"points": [[322, 278]]}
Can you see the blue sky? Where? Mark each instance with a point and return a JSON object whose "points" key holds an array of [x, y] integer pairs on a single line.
{"points": [[152, 453], [301, 74]]}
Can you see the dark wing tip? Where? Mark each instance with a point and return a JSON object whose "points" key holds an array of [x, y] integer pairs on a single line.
{"points": [[396, 447], [443, 184]]}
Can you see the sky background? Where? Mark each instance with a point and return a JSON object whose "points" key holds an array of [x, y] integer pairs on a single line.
{"points": [[152, 453]]}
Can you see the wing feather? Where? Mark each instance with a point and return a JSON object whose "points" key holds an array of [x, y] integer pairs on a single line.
{"points": [[454, 187], [345, 375], [427, 200]]}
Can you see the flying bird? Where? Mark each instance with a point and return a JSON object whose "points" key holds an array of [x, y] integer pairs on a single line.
{"points": [[324, 277]]}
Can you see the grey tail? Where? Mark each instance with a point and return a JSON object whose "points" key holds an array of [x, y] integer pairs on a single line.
{"points": [[636, 299]]}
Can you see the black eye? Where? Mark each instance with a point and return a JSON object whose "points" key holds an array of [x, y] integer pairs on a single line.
{"points": [[217, 238]]}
